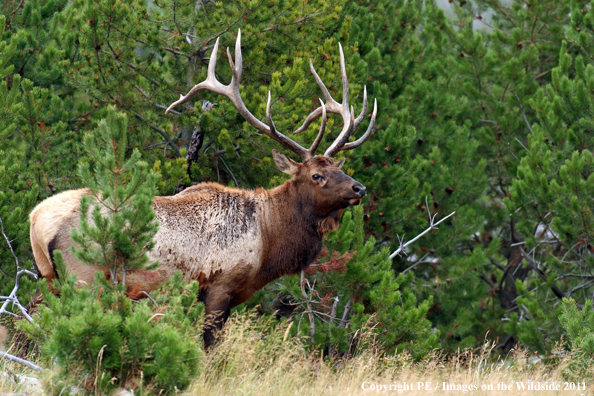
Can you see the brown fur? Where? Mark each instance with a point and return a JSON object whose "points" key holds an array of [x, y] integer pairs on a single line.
{"points": [[232, 241]]}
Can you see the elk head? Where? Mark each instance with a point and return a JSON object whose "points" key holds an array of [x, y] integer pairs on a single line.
{"points": [[323, 185], [320, 175]]}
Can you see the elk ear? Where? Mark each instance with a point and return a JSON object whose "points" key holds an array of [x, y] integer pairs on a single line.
{"points": [[340, 163], [284, 163]]}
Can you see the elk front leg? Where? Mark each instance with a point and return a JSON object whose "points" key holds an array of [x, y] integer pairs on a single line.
{"points": [[217, 304]]}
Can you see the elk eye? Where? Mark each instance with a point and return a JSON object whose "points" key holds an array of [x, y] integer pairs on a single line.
{"points": [[317, 177]]}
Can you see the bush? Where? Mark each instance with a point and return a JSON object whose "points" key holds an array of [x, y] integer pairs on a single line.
{"points": [[99, 340], [96, 336], [579, 327]]}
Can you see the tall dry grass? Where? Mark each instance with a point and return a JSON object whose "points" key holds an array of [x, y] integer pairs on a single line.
{"points": [[252, 361], [256, 357]]}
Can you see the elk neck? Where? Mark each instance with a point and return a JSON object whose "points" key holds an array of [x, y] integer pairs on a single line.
{"points": [[293, 231]]}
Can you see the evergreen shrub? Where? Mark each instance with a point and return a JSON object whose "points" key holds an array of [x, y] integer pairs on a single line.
{"points": [[579, 328], [99, 340]]}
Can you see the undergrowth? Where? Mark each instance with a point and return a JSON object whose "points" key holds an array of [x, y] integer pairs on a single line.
{"points": [[256, 355]]}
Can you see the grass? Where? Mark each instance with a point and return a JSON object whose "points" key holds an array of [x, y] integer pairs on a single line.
{"points": [[256, 358], [247, 363], [18, 380]]}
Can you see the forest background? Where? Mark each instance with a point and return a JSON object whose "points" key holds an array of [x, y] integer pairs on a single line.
{"points": [[485, 108]]}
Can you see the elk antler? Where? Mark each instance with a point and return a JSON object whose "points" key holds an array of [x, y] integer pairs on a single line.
{"points": [[340, 143], [231, 91]]}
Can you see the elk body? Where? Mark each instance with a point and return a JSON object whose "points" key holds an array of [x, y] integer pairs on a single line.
{"points": [[232, 241]]}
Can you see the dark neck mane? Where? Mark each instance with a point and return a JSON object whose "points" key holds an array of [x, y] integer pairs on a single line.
{"points": [[293, 234]]}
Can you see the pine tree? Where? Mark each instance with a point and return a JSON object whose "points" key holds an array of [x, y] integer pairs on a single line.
{"points": [[579, 328], [549, 195], [98, 338], [121, 227]]}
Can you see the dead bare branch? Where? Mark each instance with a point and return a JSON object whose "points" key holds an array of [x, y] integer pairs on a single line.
{"points": [[13, 299], [24, 362], [432, 226], [312, 323]]}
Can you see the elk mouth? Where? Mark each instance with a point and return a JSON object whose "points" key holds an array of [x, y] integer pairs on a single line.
{"points": [[352, 201]]}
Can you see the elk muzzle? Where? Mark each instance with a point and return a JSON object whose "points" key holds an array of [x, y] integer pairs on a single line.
{"points": [[359, 193], [359, 189]]}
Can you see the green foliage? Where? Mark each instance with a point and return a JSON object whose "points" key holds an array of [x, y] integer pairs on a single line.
{"points": [[98, 337], [549, 197], [579, 328], [100, 340], [141, 56], [484, 109], [379, 299], [462, 90], [122, 224], [24, 162]]}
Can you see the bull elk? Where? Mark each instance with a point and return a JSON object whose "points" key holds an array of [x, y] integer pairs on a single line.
{"points": [[232, 241]]}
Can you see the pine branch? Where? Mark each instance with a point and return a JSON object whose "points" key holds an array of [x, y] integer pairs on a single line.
{"points": [[558, 292], [174, 146], [343, 321]]}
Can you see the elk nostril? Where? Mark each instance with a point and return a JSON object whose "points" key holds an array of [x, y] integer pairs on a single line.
{"points": [[359, 190]]}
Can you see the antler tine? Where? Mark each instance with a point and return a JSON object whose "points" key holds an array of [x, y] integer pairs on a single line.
{"points": [[269, 117], [362, 139], [318, 140], [210, 83], [344, 135], [311, 151], [347, 116], [345, 81], [364, 109], [238, 56], [237, 68], [212, 62], [285, 141], [314, 115], [332, 105]]}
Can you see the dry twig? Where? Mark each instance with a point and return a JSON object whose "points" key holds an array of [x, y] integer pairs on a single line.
{"points": [[432, 226], [13, 299]]}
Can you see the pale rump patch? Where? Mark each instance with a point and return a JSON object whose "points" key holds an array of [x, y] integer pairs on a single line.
{"points": [[47, 220]]}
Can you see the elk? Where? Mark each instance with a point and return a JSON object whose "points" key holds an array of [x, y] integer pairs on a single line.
{"points": [[233, 241]]}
